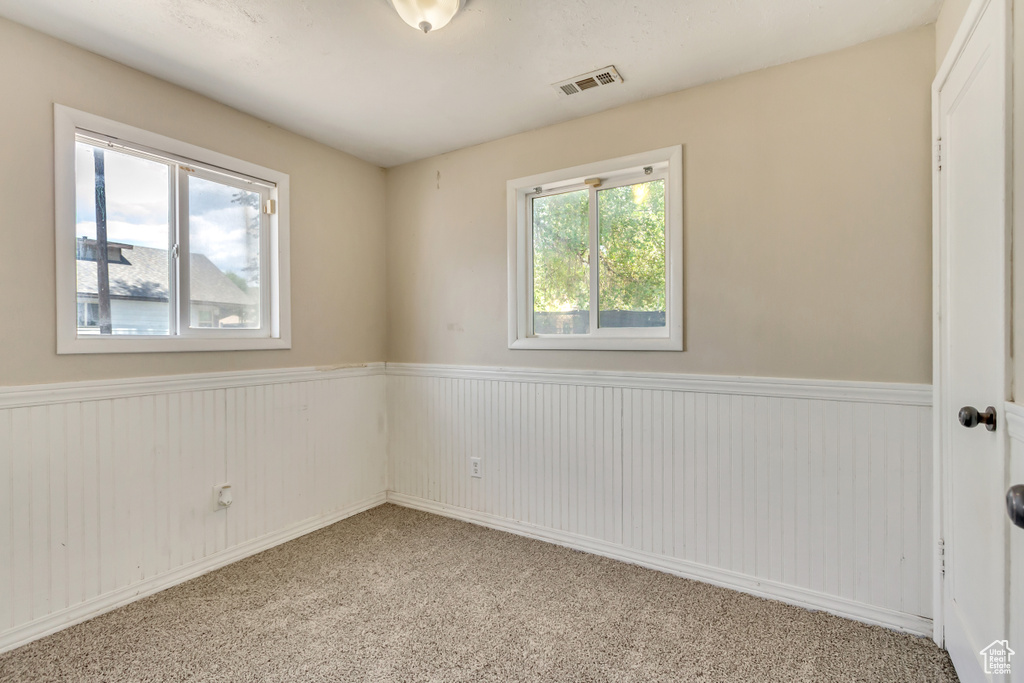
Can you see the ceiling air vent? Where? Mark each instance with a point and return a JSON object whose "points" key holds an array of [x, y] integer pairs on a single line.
{"points": [[594, 79]]}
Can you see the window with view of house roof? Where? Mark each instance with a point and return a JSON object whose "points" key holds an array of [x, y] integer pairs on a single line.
{"points": [[139, 294], [167, 247]]}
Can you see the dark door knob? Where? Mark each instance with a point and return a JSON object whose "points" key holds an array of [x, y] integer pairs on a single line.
{"points": [[970, 417], [1015, 504]]}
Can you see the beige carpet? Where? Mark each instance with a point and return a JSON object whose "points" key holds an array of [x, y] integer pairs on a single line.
{"points": [[398, 595]]}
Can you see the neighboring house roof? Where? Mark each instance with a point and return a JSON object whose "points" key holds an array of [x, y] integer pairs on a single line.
{"points": [[141, 273]]}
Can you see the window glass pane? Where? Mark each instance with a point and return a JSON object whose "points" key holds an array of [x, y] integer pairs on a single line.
{"points": [[561, 263], [632, 255], [224, 264], [128, 292]]}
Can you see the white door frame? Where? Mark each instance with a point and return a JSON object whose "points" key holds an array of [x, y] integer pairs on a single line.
{"points": [[940, 297]]}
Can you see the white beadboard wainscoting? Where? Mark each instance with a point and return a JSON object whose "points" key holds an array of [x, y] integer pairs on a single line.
{"points": [[106, 488], [1015, 428], [817, 493]]}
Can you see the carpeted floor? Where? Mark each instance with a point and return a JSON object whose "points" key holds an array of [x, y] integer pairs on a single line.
{"points": [[399, 595]]}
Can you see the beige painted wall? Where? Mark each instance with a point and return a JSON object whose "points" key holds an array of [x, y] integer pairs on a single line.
{"points": [[337, 216], [807, 220], [946, 25]]}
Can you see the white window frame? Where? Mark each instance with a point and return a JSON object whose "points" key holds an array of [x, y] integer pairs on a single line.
{"points": [[666, 163], [275, 305]]}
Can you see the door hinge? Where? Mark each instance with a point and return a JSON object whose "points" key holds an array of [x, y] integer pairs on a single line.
{"points": [[938, 155], [942, 558], [270, 207]]}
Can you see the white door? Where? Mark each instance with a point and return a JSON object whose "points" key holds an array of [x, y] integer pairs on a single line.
{"points": [[972, 313]]}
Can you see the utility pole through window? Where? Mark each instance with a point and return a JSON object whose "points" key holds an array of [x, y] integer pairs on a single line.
{"points": [[102, 264]]}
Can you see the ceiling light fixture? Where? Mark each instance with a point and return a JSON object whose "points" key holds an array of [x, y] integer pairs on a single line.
{"points": [[427, 15]]}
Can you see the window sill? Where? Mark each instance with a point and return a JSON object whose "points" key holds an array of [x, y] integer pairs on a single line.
{"points": [[570, 343], [141, 344]]}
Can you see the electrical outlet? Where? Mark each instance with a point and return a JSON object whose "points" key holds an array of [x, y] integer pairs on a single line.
{"points": [[222, 496], [474, 468]]}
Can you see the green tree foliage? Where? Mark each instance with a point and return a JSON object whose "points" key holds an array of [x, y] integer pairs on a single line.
{"points": [[238, 280], [561, 252], [632, 249]]}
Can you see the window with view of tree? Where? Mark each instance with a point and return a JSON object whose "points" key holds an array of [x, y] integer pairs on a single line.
{"points": [[631, 253], [561, 263], [169, 252], [605, 242]]}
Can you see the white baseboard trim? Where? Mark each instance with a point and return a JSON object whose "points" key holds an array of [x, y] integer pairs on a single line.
{"points": [[801, 597], [57, 621]]}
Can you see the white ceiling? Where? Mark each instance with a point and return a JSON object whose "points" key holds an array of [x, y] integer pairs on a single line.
{"points": [[351, 74]]}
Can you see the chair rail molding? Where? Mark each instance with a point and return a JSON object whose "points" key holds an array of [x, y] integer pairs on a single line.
{"points": [[94, 390], [778, 387]]}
